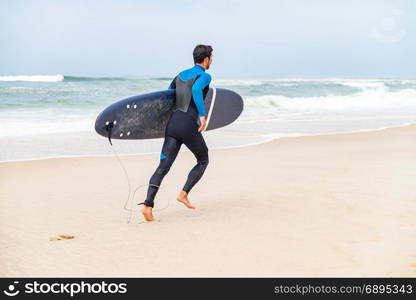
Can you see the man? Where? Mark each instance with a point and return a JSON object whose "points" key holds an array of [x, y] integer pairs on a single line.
{"points": [[191, 87]]}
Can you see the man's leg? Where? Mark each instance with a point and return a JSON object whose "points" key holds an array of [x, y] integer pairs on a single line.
{"points": [[168, 155], [199, 148]]}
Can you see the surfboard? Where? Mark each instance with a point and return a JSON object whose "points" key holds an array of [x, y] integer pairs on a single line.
{"points": [[146, 116]]}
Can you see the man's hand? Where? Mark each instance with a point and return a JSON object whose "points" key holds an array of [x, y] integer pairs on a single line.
{"points": [[203, 123]]}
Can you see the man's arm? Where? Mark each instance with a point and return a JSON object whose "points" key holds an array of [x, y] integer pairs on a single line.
{"points": [[197, 89]]}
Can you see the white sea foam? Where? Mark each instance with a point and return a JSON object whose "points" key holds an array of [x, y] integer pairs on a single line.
{"points": [[364, 84], [361, 83], [369, 100], [34, 78], [35, 127]]}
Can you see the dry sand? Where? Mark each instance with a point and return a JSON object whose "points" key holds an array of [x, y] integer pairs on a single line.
{"points": [[331, 205]]}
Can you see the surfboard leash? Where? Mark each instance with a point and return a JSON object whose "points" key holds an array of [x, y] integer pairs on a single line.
{"points": [[109, 129], [125, 207]]}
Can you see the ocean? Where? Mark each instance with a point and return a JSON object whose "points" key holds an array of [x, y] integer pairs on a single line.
{"points": [[54, 115]]}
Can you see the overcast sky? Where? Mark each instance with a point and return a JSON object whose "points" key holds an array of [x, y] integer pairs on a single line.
{"points": [[251, 39]]}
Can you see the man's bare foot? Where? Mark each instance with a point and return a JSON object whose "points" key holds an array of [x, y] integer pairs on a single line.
{"points": [[147, 213], [183, 198]]}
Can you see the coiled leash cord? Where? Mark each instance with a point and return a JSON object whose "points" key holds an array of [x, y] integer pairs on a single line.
{"points": [[129, 210]]}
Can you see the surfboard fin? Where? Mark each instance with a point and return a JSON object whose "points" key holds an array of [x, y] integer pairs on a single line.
{"points": [[109, 128]]}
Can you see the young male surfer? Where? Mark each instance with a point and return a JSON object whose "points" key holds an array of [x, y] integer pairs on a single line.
{"points": [[191, 86]]}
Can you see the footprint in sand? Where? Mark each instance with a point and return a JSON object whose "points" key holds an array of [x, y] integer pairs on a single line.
{"points": [[61, 237]]}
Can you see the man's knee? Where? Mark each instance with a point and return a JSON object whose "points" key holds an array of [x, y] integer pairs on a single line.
{"points": [[164, 167], [204, 162], [203, 157]]}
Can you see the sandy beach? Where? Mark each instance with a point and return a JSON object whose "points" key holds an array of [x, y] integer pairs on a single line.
{"points": [[315, 206]]}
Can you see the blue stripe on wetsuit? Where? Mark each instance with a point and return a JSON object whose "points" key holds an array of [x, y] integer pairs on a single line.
{"points": [[198, 85]]}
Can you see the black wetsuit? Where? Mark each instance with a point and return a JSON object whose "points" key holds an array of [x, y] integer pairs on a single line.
{"points": [[182, 128]]}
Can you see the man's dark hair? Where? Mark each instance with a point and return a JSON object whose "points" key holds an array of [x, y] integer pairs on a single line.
{"points": [[200, 52]]}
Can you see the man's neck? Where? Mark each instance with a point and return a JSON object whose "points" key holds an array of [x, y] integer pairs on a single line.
{"points": [[200, 66]]}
